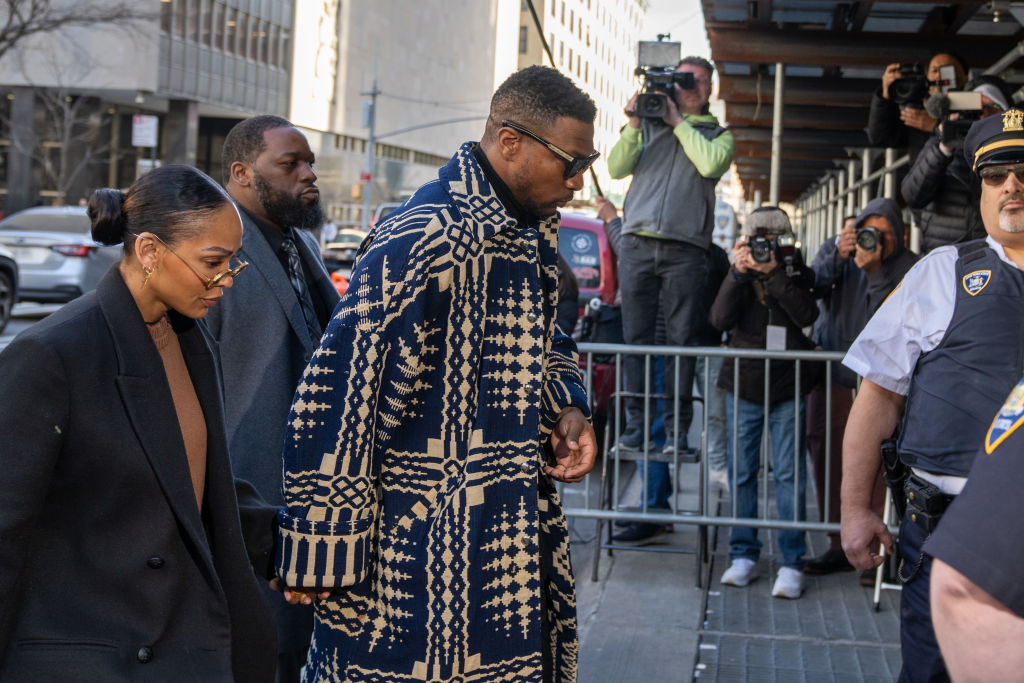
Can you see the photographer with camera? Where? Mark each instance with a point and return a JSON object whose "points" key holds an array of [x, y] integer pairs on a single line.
{"points": [[676, 160], [940, 183], [940, 354], [764, 301], [897, 117], [853, 273]]}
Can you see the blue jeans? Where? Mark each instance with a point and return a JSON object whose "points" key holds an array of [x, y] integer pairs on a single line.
{"points": [[743, 467], [659, 483], [714, 404]]}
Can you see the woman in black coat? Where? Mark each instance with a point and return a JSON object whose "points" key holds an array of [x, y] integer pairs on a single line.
{"points": [[124, 552]]}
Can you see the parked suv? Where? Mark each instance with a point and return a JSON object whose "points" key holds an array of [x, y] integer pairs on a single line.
{"points": [[57, 258]]}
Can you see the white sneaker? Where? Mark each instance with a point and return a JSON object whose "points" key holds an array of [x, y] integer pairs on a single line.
{"points": [[789, 583], [741, 572], [719, 479]]}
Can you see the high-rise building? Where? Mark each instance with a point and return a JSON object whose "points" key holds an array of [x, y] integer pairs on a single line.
{"points": [[595, 43], [70, 99]]}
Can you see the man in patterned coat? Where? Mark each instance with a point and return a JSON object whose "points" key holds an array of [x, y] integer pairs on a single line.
{"points": [[442, 401]]}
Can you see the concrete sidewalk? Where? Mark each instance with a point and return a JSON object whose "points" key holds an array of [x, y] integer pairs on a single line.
{"points": [[645, 619]]}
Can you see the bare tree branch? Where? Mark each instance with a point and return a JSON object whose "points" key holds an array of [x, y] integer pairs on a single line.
{"points": [[20, 19]]}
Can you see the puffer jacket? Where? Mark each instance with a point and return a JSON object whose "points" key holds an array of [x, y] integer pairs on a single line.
{"points": [[946, 192]]}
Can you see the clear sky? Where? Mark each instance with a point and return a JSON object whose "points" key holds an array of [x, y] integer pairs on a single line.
{"points": [[683, 19]]}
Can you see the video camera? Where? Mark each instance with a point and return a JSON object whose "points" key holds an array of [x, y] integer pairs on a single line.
{"points": [[785, 247], [968, 107], [910, 89], [656, 61]]}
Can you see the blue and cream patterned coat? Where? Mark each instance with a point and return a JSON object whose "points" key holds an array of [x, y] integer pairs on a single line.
{"points": [[413, 454]]}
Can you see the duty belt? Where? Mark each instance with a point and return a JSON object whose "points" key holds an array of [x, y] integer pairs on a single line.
{"points": [[925, 502]]}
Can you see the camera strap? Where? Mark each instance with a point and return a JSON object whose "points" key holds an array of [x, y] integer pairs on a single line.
{"points": [[709, 130]]}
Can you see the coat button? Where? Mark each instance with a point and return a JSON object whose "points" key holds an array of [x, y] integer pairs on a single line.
{"points": [[532, 317], [910, 495], [526, 467], [155, 562], [145, 655]]}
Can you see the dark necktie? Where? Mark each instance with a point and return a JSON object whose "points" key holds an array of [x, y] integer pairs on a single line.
{"points": [[298, 280]]}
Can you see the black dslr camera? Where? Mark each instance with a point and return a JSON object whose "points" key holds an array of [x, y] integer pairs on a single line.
{"points": [[656, 61], [868, 237], [785, 248], [911, 89]]}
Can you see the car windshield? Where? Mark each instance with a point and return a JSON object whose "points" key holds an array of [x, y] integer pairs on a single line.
{"points": [[347, 239], [48, 222], [581, 251]]}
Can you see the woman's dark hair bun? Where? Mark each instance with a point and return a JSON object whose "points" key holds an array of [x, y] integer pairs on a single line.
{"points": [[106, 211]]}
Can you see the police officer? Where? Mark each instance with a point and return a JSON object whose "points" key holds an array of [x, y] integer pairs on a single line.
{"points": [[942, 352], [977, 596]]}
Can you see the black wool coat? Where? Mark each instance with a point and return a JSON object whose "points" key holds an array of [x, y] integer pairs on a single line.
{"points": [[108, 571]]}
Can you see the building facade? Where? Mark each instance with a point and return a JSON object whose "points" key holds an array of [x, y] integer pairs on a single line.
{"points": [[69, 100], [594, 42]]}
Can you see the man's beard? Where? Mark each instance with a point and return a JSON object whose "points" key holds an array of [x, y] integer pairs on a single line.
{"points": [[1011, 222], [286, 211]]}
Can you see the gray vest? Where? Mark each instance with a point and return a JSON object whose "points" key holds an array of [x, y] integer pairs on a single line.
{"points": [[668, 197], [959, 386]]}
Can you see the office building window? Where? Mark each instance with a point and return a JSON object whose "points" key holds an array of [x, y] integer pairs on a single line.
{"points": [[166, 17], [217, 25], [522, 40], [230, 29]]}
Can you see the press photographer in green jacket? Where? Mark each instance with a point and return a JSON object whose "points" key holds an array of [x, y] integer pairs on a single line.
{"points": [[675, 162]]}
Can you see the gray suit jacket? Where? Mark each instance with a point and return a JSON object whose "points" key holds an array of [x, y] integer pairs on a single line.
{"points": [[264, 346]]}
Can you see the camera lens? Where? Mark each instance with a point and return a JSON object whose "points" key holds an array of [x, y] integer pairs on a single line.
{"points": [[867, 238], [761, 249]]}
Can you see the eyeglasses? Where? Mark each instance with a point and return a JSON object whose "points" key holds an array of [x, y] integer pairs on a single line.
{"points": [[211, 282], [995, 176], [573, 165]]}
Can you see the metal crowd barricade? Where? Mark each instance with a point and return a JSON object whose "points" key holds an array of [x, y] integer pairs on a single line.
{"points": [[607, 507]]}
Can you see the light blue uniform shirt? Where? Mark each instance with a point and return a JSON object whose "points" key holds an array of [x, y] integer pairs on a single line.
{"points": [[911, 322]]}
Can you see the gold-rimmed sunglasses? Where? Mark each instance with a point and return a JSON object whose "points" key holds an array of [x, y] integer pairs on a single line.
{"points": [[208, 282]]}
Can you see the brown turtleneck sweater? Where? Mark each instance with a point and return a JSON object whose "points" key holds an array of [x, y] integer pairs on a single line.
{"points": [[186, 403]]}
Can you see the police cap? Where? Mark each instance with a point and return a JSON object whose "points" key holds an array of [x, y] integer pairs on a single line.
{"points": [[996, 139]]}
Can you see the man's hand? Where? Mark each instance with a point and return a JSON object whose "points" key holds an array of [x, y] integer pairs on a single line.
{"points": [[741, 258], [672, 116], [575, 447], [918, 118], [892, 72], [863, 533], [847, 242], [765, 267], [294, 596], [869, 260], [606, 211], [743, 261], [634, 120]]}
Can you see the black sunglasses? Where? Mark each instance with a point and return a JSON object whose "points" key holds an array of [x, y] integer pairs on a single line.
{"points": [[995, 176], [573, 165]]}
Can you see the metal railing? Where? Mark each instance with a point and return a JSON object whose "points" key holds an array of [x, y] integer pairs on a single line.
{"points": [[605, 503], [844, 191]]}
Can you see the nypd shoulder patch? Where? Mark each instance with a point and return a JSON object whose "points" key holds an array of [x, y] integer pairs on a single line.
{"points": [[1009, 417], [976, 281]]}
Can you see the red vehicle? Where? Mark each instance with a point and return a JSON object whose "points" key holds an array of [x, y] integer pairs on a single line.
{"points": [[584, 246]]}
